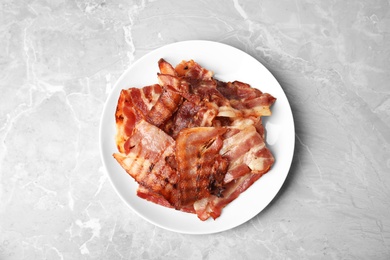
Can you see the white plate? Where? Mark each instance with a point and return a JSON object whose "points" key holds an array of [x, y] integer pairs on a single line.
{"points": [[228, 64]]}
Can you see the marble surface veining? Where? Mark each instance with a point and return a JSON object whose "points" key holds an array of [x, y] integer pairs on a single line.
{"points": [[59, 60]]}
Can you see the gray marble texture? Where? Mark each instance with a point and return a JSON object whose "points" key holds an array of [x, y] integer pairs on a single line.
{"points": [[59, 60]]}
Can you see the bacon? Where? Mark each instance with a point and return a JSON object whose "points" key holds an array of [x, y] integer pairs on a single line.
{"points": [[251, 155], [201, 167], [192, 115], [152, 196], [164, 108], [133, 104], [244, 100], [237, 90], [241, 123], [175, 83], [192, 70], [156, 198], [258, 123], [206, 90], [147, 162], [166, 68], [212, 206], [206, 114], [191, 142], [234, 100], [259, 106], [182, 119]]}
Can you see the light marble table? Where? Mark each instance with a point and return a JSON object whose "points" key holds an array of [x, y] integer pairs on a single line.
{"points": [[59, 60]]}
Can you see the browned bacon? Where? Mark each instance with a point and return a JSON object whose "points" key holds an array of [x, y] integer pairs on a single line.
{"points": [[164, 108], [201, 168], [251, 155], [192, 115], [166, 68], [212, 206], [237, 90], [154, 197], [193, 143], [193, 71], [182, 119], [244, 100], [147, 162], [133, 105]]}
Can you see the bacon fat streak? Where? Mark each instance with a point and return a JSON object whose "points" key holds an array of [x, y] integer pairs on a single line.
{"points": [[191, 142]]}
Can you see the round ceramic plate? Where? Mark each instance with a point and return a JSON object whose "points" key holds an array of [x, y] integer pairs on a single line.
{"points": [[228, 64]]}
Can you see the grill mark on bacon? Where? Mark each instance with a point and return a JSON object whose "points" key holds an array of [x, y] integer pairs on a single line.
{"points": [[151, 146], [200, 165]]}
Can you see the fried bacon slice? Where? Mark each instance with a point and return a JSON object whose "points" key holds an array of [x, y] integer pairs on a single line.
{"points": [[244, 101], [164, 108], [154, 197], [192, 115], [200, 166], [212, 206], [166, 68], [251, 155], [133, 105], [147, 160], [193, 71], [193, 143]]}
